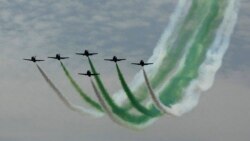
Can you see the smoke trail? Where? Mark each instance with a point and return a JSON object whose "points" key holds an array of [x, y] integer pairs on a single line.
{"points": [[175, 47], [102, 102], [196, 20], [172, 93], [194, 58], [166, 60], [138, 120], [170, 34], [109, 112], [185, 62], [186, 53], [212, 62], [155, 100], [91, 102], [65, 100], [150, 112]]}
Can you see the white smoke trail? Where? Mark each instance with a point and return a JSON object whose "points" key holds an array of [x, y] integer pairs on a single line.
{"points": [[177, 17], [212, 62], [104, 105], [154, 98], [75, 108]]}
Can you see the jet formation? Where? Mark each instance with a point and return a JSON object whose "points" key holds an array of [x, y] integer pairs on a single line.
{"points": [[87, 54]]}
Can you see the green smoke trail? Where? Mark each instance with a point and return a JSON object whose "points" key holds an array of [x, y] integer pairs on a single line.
{"points": [[91, 102], [64, 99], [193, 40], [122, 113], [108, 111], [173, 92], [180, 59], [150, 112], [176, 48], [102, 102], [179, 70]]}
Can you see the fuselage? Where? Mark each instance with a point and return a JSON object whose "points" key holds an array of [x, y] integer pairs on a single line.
{"points": [[33, 59], [142, 63], [86, 53], [58, 56], [115, 59]]}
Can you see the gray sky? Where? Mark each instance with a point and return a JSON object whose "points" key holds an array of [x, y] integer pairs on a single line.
{"points": [[29, 110]]}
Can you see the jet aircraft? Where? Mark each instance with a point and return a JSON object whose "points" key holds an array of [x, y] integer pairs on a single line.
{"points": [[86, 53], [114, 59], [89, 74], [142, 63], [33, 59], [58, 57]]}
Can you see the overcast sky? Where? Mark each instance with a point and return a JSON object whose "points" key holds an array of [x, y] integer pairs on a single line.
{"points": [[29, 110]]}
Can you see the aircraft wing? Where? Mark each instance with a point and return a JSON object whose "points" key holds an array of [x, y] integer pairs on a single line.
{"points": [[93, 53], [120, 59], [27, 59], [64, 57], [40, 60], [148, 63], [95, 74]]}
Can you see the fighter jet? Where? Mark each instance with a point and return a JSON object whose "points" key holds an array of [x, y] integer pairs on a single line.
{"points": [[58, 57], [86, 53], [142, 63], [33, 59], [89, 74], [114, 59]]}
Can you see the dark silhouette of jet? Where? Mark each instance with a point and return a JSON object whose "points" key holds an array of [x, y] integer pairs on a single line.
{"points": [[58, 57], [89, 74], [114, 59], [142, 63], [86, 53], [33, 59]]}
